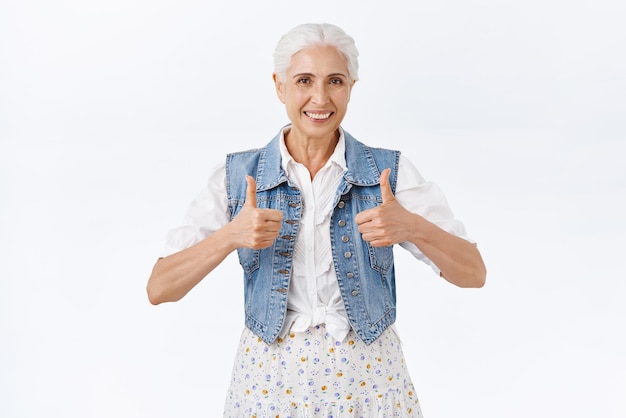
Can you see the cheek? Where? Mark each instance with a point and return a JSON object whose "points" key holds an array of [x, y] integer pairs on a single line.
{"points": [[294, 98], [342, 99]]}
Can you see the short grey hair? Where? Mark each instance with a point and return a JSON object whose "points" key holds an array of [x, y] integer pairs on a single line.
{"points": [[311, 34]]}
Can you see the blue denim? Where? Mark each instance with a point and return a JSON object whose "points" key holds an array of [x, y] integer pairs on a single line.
{"points": [[365, 274]]}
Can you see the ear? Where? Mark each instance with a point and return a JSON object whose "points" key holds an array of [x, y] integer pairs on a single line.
{"points": [[280, 86], [350, 89]]}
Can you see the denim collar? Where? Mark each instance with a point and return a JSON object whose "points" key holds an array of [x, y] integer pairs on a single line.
{"points": [[361, 167]]}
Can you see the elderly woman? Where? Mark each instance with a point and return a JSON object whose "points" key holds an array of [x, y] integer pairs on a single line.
{"points": [[314, 215]]}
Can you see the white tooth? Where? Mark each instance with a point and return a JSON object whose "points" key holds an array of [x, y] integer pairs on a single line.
{"points": [[319, 115]]}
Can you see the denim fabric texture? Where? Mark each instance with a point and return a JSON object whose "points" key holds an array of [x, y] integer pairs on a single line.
{"points": [[365, 274]]}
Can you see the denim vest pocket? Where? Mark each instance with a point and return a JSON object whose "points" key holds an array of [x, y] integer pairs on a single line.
{"points": [[381, 258], [249, 259]]}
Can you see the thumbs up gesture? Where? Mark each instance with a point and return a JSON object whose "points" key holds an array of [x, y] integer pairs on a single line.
{"points": [[387, 224], [253, 227]]}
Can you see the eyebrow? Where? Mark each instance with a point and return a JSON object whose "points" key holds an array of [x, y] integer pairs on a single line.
{"points": [[313, 75]]}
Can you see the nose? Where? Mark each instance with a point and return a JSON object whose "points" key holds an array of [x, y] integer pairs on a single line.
{"points": [[320, 93]]}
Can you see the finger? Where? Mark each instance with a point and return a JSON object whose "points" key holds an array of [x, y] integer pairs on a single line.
{"points": [[385, 187], [363, 217], [251, 192], [274, 215]]}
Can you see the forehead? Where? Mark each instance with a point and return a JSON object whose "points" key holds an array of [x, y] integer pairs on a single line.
{"points": [[318, 60]]}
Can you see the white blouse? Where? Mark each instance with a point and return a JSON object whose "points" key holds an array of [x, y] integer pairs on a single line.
{"points": [[314, 297]]}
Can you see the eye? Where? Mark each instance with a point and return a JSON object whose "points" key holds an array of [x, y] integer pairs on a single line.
{"points": [[336, 81], [304, 80]]}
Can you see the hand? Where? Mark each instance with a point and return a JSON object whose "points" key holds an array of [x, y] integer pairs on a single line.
{"points": [[387, 224], [253, 227]]}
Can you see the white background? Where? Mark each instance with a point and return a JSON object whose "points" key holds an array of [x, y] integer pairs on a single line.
{"points": [[112, 112]]}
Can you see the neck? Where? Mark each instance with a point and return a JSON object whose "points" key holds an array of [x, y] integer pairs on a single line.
{"points": [[313, 153]]}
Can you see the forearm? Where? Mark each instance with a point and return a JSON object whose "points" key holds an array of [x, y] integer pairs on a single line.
{"points": [[458, 260], [175, 275]]}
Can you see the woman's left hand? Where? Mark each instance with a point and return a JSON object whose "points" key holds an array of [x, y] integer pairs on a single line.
{"points": [[387, 224], [459, 261]]}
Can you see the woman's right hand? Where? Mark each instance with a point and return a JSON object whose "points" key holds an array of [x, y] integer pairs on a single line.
{"points": [[173, 276], [254, 227]]}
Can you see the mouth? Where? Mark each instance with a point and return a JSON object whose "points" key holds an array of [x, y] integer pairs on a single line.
{"points": [[318, 116]]}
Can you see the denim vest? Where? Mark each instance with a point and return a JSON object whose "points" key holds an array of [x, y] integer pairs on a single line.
{"points": [[365, 274]]}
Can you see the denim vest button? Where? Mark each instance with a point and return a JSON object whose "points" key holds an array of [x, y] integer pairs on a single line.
{"points": [[285, 254], [347, 254], [281, 290], [293, 205], [342, 223], [283, 271], [345, 238], [341, 204], [290, 221], [354, 293], [350, 275], [288, 237]]}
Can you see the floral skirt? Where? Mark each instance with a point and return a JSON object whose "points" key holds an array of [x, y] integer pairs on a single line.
{"points": [[310, 374]]}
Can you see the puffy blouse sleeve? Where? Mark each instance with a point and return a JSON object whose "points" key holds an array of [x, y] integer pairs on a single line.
{"points": [[426, 199], [207, 213]]}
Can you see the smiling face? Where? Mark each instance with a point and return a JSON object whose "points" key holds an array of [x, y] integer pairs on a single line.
{"points": [[315, 91]]}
